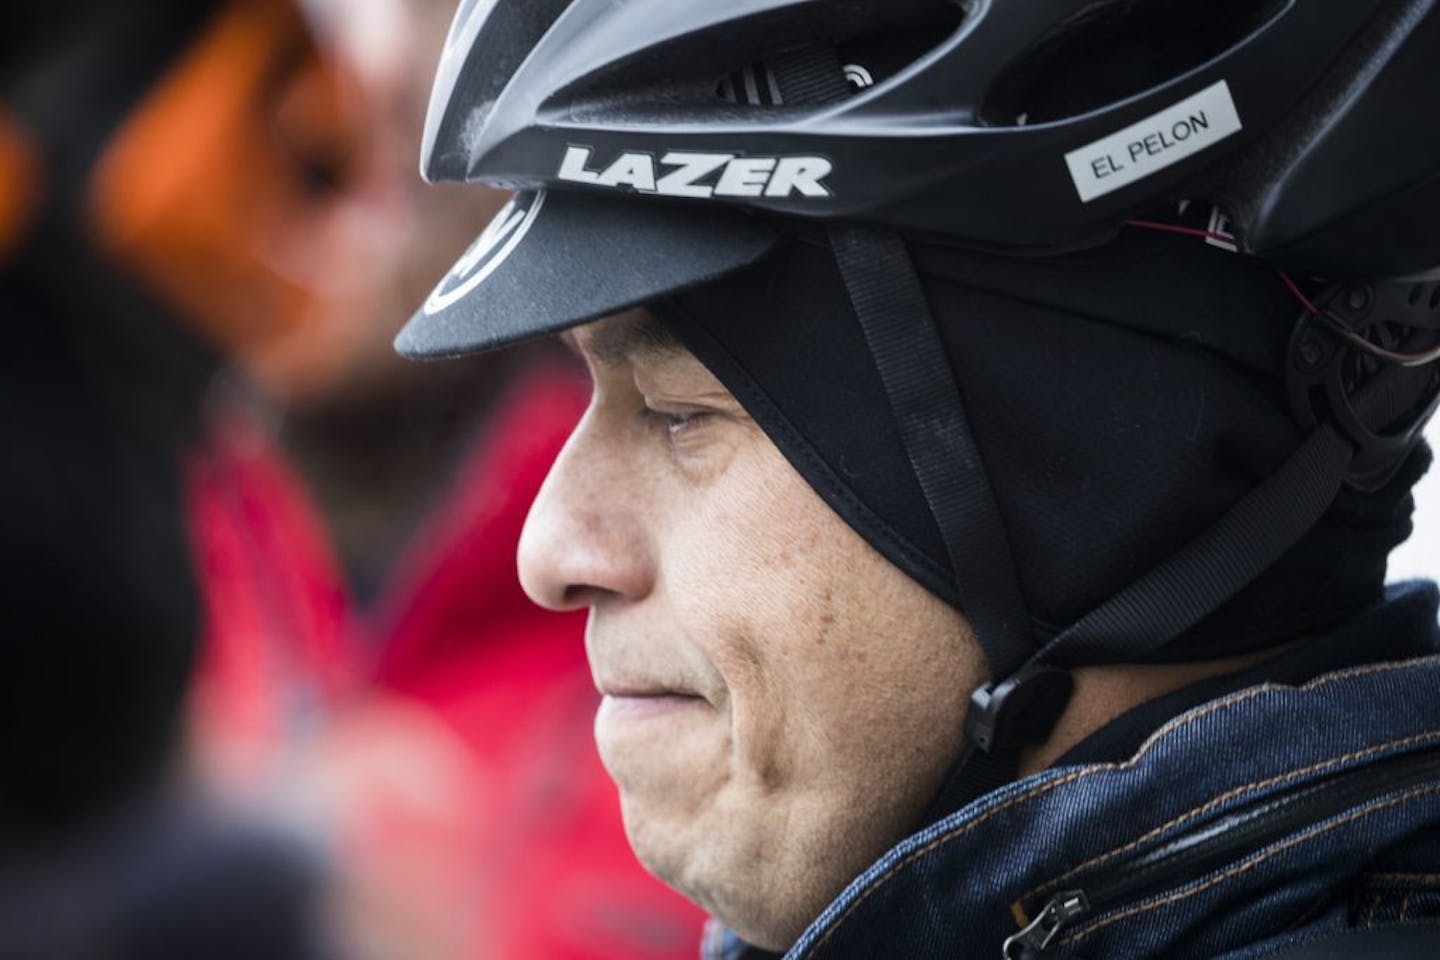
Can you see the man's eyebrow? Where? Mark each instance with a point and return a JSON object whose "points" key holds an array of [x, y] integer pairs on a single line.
{"points": [[625, 340]]}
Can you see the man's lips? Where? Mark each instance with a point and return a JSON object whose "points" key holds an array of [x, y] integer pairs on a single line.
{"points": [[641, 691], [635, 685], [625, 708], [645, 696]]}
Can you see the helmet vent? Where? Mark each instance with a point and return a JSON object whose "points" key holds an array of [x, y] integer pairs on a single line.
{"points": [[1112, 50], [753, 85]]}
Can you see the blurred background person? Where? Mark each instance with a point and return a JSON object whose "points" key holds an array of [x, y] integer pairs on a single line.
{"points": [[210, 228], [119, 286]]}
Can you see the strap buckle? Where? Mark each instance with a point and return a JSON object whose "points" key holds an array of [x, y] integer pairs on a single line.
{"points": [[1019, 711]]}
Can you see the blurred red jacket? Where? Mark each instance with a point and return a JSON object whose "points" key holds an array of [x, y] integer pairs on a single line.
{"points": [[447, 730]]}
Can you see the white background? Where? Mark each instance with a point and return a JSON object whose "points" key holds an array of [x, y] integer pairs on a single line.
{"points": [[1420, 555]]}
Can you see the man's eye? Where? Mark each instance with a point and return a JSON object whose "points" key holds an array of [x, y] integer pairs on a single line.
{"points": [[677, 422]]}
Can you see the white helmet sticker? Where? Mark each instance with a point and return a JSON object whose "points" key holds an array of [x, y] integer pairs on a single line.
{"points": [[492, 248], [1145, 148]]}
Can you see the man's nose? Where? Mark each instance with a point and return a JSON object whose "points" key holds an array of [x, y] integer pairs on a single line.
{"points": [[584, 539]]}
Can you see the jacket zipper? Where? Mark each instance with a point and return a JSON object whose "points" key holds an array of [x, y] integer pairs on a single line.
{"points": [[1175, 861]]}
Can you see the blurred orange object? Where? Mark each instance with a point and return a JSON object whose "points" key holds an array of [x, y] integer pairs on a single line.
{"points": [[19, 184], [220, 187]]}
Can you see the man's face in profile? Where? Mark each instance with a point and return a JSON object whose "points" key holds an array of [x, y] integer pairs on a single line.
{"points": [[780, 703]]}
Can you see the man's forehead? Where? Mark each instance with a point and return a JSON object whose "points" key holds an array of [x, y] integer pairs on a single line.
{"points": [[624, 339]]}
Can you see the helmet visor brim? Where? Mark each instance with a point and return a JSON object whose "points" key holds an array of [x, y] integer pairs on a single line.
{"points": [[550, 261]]}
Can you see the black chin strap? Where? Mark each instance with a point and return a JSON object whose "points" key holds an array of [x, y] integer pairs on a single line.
{"points": [[929, 412], [1175, 596], [925, 399], [926, 402]]}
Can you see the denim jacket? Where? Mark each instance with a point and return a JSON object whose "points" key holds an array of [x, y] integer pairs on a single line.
{"points": [[1273, 814]]}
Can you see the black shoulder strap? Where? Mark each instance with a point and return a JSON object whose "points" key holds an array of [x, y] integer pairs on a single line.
{"points": [[1410, 941]]}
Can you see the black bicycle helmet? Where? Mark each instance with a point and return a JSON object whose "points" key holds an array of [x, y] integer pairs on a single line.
{"points": [[663, 145]]}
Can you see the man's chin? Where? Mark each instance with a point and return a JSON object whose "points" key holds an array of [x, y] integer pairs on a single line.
{"points": [[663, 847], [699, 858]]}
